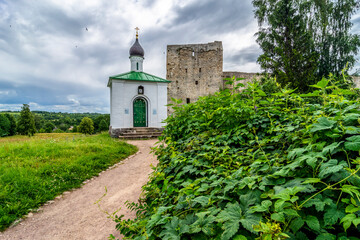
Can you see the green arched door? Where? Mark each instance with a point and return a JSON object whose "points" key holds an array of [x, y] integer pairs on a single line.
{"points": [[139, 112]]}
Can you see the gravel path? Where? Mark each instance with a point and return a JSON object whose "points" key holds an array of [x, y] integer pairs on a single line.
{"points": [[74, 214]]}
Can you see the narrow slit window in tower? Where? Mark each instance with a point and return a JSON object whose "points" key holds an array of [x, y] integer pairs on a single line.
{"points": [[199, 70], [187, 100], [137, 66], [196, 82]]}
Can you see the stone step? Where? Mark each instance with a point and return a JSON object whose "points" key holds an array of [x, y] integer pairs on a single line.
{"points": [[141, 130], [142, 133], [138, 136]]}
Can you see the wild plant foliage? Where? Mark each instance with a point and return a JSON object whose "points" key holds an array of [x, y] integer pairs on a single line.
{"points": [[253, 165]]}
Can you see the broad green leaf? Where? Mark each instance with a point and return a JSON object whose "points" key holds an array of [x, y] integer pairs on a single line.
{"points": [[351, 118], [352, 130], [347, 220], [351, 209], [350, 189], [326, 236], [203, 200], [263, 207], [329, 167], [323, 124], [171, 231], [321, 84], [313, 222], [278, 217], [230, 217], [332, 215], [312, 180], [239, 237], [330, 148], [296, 224], [291, 212], [356, 222], [353, 143], [296, 152]]}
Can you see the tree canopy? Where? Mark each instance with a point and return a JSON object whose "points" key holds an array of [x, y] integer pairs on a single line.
{"points": [[26, 123], [86, 126], [305, 40]]}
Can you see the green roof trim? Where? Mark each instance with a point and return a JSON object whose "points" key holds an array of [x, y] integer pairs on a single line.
{"points": [[138, 76]]}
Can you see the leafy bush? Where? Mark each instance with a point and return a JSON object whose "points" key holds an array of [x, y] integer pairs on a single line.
{"points": [[26, 123], [255, 166], [49, 127], [5, 126], [86, 126], [12, 120]]}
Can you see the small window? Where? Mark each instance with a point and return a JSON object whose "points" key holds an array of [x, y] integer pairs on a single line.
{"points": [[193, 53], [140, 90], [199, 70], [137, 66], [186, 70], [187, 100], [196, 82]]}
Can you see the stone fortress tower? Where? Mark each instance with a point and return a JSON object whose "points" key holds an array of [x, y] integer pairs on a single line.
{"points": [[194, 70], [197, 70]]}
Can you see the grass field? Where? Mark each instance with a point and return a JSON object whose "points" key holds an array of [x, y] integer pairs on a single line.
{"points": [[36, 169]]}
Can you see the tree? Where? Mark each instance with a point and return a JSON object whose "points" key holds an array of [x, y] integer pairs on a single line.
{"points": [[4, 126], [63, 127], [304, 40], [103, 126], [331, 28], [12, 123], [39, 121], [86, 126], [26, 123], [49, 127]]}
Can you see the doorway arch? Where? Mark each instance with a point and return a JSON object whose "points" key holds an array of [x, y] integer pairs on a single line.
{"points": [[140, 112]]}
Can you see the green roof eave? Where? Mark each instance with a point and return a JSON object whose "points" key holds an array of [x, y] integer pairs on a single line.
{"points": [[138, 76]]}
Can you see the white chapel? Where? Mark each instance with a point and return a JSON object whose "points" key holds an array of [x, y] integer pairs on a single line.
{"points": [[137, 99]]}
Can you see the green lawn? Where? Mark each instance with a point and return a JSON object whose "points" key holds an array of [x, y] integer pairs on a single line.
{"points": [[36, 169]]}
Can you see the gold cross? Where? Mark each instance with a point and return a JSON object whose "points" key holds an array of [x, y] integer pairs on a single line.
{"points": [[137, 32]]}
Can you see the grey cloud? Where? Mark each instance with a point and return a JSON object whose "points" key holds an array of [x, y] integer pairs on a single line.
{"points": [[246, 55], [214, 16]]}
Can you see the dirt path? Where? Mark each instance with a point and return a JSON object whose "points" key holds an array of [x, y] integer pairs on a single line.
{"points": [[75, 216]]}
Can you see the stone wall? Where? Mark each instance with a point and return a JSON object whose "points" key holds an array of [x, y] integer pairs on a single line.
{"points": [[356, 81], [241, 77], [194, 70]]}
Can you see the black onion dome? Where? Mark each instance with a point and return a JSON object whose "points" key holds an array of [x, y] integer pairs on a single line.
{"points": [[136, 49]]}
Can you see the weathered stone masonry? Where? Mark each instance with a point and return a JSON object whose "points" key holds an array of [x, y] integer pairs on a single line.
{"points": [[197, 70], [194, 70]]}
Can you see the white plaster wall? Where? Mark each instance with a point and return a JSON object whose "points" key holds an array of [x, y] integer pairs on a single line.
{"points": [[133, 61], [162, 102], [123, 93]]}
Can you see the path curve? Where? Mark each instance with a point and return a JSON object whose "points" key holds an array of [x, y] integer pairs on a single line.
{"points": [[75, 216]]}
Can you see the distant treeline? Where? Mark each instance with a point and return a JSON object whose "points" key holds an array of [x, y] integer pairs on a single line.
{"points": [[47, 122]]}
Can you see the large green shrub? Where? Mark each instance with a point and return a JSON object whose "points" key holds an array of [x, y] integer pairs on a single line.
{"points": [[5, 126], [255, 166], [86, 126], [12, 123], [26, 123]]}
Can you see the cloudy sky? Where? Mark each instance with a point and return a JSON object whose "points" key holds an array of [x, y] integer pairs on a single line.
{"points": [[49, 60]]}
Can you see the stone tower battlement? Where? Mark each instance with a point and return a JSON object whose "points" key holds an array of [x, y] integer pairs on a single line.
{"points": [[194, 70]]}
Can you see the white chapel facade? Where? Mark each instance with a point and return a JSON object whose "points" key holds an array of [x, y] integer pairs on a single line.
{"points": [[137, 99]]}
